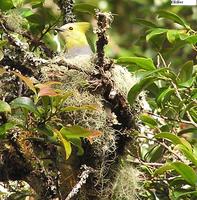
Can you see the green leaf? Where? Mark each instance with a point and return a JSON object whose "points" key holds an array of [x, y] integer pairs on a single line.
{"points": [[17, 3], [194, 93], [145, 118], [156, 72], [188, 130], [188, 154], [174, 139], [74, 132], [173, 17], [185, 72], [172, 35], [24, 102], [6, 5], [77, 142], [182, 194], [165, 128], [191, 39], [163, 169], [66, 143], [186, 172], [45, 129], [3, 43], [25, 12], [155, 154], [177, 180], [164, 96], [48, 39], [85, 8], [144, 63], [5, 107], [155, 32], [60, 99], [34, 19], [193, 113], [169, 136], [34, 2], [138, 87], [5, 127], [145, 23], [188, 83], [186, 144]]}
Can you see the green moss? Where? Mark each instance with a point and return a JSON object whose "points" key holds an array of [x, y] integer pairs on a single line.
{"points": [[126, 184]]}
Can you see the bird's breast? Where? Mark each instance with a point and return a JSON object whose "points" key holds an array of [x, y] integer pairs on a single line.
{"points": [[76, 51]]}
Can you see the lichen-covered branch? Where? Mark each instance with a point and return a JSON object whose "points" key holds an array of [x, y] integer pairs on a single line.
{"points": [[83, 177], [118, 102], [104, 21], [32, 41], [66, 7]]}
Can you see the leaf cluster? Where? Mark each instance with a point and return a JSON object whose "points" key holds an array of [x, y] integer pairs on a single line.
{"points": [[166, 145], [40, 114]]}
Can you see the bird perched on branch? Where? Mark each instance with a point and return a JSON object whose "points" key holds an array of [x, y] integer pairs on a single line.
{"points": [[73, 40]]}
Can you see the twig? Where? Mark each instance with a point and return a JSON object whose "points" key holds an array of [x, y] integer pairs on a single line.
{"points": [[178, 94], [144, 163], [163, 61], [167, 147], [43, 34], [184, 106], [83, 178], [27, 35], [164, 145], [170, 119]]}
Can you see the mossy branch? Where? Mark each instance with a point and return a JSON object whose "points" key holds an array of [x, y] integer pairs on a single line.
{"points": [[119, 104], [104, 21]]}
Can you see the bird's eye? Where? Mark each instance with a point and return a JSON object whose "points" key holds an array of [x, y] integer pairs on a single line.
{"points": [[70, 28]]}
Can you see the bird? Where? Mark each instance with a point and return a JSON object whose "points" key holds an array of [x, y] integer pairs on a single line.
{"points": [[72, 39], [76, 49]]}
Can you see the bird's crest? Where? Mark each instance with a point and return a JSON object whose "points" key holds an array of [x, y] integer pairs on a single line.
{"points": [[84, 26]]}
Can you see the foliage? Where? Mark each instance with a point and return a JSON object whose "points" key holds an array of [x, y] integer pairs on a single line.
{"points": [[171, 123], [40, 114], [158, 48]]}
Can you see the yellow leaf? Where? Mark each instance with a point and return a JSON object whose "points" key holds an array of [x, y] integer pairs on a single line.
{"points": [[66, 144], [27, 81]]}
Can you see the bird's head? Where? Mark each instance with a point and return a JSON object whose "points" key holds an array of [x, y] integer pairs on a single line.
{"points": [[69, 29], [72, 35]]}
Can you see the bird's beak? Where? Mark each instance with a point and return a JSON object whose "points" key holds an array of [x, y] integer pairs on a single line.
{"points": [[59, 29]]}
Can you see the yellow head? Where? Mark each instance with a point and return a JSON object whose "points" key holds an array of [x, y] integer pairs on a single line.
{"points": [[73, 36]]}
